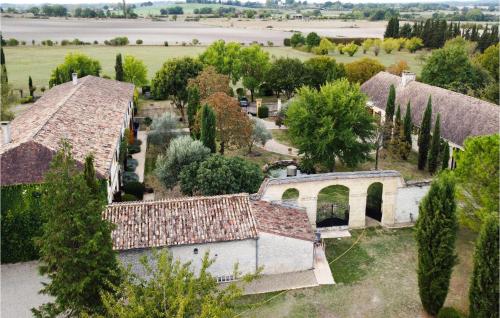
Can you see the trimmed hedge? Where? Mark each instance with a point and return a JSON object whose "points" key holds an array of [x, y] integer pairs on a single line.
{"points": [[135, 188], [21, 222], [263, 112], [449, 312], [128, 197]]}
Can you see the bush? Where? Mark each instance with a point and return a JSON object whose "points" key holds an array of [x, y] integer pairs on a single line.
{"points": [[129, 176], [448, 312], [26, 100], [148, 121], [131, 165], [134, 188], [165, 43], [134, 148], [12, 42], [350, 48], [263, 112], [96, 42], [118, 41], [240, 91], [286, 42], [138, 42], [128, 197]]}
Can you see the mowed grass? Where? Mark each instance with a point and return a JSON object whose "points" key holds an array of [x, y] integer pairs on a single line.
{"points": [[38, 62], [375, 278]]}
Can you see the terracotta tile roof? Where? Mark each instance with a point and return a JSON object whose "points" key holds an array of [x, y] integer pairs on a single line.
{"points": [[461, 115], [197, 220], [281, 220], [181, 221], [89, 114]]}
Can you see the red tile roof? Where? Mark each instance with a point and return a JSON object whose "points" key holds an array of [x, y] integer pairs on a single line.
{"points": [[198, 220]]}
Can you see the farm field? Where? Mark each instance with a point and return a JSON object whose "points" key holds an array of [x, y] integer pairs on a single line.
{"points": [[376, 278], [39, 61]]}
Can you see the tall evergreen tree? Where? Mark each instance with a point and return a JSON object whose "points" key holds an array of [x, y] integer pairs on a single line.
{"points": [[119, 68], [75, 248], [424, 136], [392, 30], [192, 109], [6, 100], [445, 154], [483, 293], [30, 86], [436, 232], [435, 146], [389, 115], [2, 57], [208, 128], [89, 174], [396, 137]]}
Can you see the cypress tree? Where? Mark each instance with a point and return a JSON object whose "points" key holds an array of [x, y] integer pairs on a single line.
{"points": [[89, 174], [483, 292], [424, 136], [30, 86], [445, 158], [389, 115], [119, 68], [435, 147], [2, 57], [436, 232], [405, 141], [76, 250], [396, 138], [208, 126], [193, 106]]}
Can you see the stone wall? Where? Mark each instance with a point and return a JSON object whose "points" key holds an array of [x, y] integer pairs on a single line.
{"points": [[280, 254], [408, 200]]}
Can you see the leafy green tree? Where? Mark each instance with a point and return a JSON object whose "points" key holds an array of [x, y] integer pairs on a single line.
{"points": [[367, 45], [477, 175], [362, 70], [208, 128], [406, 140], [76, 251], [390, 45], [260, 134], [181, 152], [297, 39], [483, 292], [489, 60], [221, 175], [331, 124], [389, 115], [312, 39], [119, 76], [254, 66], [451, 68], [171, 81], [193, 106], [435, 146], [135, 71], [424, 136], [436, 232], [285, 75], [225, 57], [74, 63], [350, 48], [324, 47], [172, 289], [322, 69]]}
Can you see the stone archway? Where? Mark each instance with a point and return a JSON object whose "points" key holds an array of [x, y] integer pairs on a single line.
{"points": [[374, 201], [332, 206], [290, 196]]}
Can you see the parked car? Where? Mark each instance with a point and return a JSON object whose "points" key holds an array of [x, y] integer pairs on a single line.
{"points": [[244, 102]]}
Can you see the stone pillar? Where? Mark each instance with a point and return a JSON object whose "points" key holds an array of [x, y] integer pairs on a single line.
{"points": [[357, 207], [389, 197], [279, 105], [310, 204], [258, 103]]}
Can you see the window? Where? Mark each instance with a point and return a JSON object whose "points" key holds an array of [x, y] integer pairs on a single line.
{"points": [[225, 278]]}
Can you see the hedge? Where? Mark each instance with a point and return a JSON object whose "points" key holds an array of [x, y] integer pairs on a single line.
{"points": [[135, 188]]}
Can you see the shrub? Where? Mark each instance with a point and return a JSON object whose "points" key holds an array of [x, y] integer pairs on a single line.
{"points": [[165, 43], [12, 42], [362, 70], [390, 45], [118, 41], [297, 39], [26, 100], [448, 312], [96, 42], [181, 152], [163, 129], [350, 48], [240, 91], [134, 188], [148, 121], [129, 176], [138, 42], [23, 42], [133, 148], [131, 164], [263, 112], [286, 42], [128, 197]]}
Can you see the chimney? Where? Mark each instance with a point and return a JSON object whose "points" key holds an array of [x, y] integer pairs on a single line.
{"points": [[6, 132], [75, 78], [407, 77]]}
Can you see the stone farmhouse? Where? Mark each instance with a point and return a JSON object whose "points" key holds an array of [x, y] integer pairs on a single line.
{"points": [[234, 229], [461, 115], [91, 113]]}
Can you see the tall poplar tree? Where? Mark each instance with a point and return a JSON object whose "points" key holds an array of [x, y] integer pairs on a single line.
{"points": [[396, 137], [119, 75], [30, 86], [389, 115], [424, 136], [445, 154], [435, 146], [436, 232], [208, 128], [75, 248], [483, 293]]}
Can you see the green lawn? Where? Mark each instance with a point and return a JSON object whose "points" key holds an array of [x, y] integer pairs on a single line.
{"points": [[376, 278], [39, 61]]}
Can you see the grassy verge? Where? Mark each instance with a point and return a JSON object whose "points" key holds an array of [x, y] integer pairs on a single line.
{"points": [[282, 136], [376, 278]]}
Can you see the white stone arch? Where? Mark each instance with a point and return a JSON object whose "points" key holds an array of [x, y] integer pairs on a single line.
{"points": [[340, 215]]}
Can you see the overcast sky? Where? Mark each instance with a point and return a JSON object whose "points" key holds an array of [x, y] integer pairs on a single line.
{"points": [[135, 1]]}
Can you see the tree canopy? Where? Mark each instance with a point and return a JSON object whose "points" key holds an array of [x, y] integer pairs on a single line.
{"points": [[77, 63], [322, 69], [331, 124], [135, 71], [225, 57], [209, 81], [254, 65], [362, 70], [285, 75]]}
